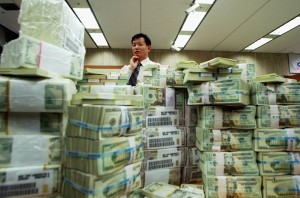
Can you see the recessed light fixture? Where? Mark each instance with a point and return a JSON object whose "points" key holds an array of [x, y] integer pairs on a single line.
{"points": [[86, 17], [258, 43], [287, 27], [182, 40], [192, 8], [99, 39], [192, 21], [205, 1]]}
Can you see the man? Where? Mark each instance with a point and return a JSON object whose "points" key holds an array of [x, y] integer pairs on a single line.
{"points": [[141, 46]]}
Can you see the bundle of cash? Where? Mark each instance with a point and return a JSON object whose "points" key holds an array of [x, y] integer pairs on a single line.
{"points": [[96, 122], [84, 185], [228, 163], [281, 186], [161, 190], [277, 139], [191, 116], [272, 94], [89, 82], [35, 95], [14, 151], [229, 73], [30, 181], [29, 52], [151, 75], [214, 117], [271, 78], [180, 94], [163, 137], [164, 158], [175, 78], [181, 65], [218, 62], [161, 117], [167, 175], [278, 163], [191, 174], [198, 75], [230, 186], [15, 123], [278, 116], [224, 140], [103, 156], [191, 136], [248, 71], [193, 156], [111, 89], [199, 94], [157, 96]]}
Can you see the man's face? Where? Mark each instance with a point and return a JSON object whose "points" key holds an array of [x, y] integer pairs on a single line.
{"points": [[160, 96], [140, 49]]}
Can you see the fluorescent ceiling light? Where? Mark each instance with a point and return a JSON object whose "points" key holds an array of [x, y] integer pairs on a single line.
{"points": [[286, 27], [258, 43], [192, 21], [175, 48], [205, 1], [192, 8], [99, 39], [181, 40], [86, 17]]}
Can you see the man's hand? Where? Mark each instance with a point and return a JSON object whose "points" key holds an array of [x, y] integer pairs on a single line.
{"points": [[133, 62]]}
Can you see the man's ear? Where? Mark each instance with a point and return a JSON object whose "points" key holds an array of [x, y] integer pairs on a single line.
{"points": [[149, 48]]}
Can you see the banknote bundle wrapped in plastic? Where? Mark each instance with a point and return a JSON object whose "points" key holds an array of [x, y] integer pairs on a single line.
{"points": [[161, 117], [104, 156], [225, 92], [278, 116], [30, 181], [117, 184], [54, 22], [164, 158], [275, 93], [218, 62], [228, 163], [16, 123], [35, 95], [248, 71], [28, 52], [167, 175], [277, 139], [97, 122], [281, 186], [47, 149], [224, 140], [217, 117], [161, 190], [230, 186], [278, 163], [163, 137]]}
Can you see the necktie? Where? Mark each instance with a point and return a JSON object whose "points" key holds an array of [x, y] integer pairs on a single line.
{"points": [[133, 78]]}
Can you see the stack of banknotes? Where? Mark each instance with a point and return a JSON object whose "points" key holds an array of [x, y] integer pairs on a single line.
{"points": [[275, 93], [248, 71], [161, 117], [224, 139], [270, 140], [96, 122], [272, 78], [191, 174], [84, 185], [219, 63], [35, 95], [101, 79], [221, 92], [168, 175], [181, 65], [217, 117], [278, 116]]}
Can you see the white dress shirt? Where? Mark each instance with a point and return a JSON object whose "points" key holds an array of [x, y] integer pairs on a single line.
{"points": [[140, 78]]}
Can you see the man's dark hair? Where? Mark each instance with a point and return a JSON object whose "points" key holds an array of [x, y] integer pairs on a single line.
{"points": [[141, 35]]}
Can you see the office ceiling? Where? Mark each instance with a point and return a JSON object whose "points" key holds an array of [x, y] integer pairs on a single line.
{"points": [[230, 25]]}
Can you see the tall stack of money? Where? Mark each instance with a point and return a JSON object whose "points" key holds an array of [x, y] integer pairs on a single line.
{"points": [[33, 111], [277, 137]]}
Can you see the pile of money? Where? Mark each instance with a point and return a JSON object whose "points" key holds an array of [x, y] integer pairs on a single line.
{"points": [[277, 139], [30, 181], [167, 175], [161, 190], [98, 79], [229, 73], [230, 186], [191, 174], [96, 122], [15, 123], [35, 95], [102, 157], [198, 75], [163, 137], [215, 117], [191, 116], [248, 71], [193, 156], [175, 78], [83, 185], [111, 89], [228, 163], [281, 186], [181, 65], [219, 62], [224, 140], [14, 151], [275, 93], [191, 136], [278, 163], [278, 116], [272, 78], [161, 117]]}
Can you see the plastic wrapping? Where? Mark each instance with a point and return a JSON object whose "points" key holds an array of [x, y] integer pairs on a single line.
{"points": [[29, 52], [35, 95]]}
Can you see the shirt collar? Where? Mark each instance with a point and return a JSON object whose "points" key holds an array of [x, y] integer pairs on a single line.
{"points": [[145, 61]]}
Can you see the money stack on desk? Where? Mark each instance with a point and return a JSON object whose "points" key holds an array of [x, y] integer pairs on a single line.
{"points": [[277, 138], [33, 108]]}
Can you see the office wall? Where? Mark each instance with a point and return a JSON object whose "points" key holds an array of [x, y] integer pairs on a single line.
{"points": [[265, 62]]}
